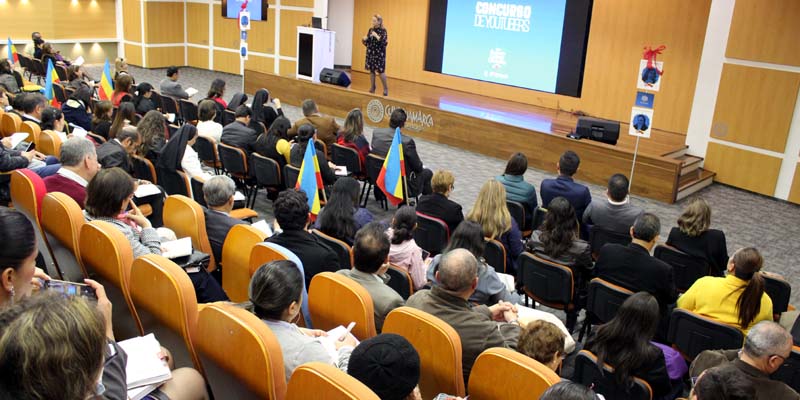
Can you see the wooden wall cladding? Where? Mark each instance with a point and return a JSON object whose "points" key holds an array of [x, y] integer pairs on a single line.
{"points": [[197, 24], [765, 31], [58, 19], [197, 57], [755, 106], [163, 22], [160, 57], [226, 31], [260, 64], [133, 54], [794, 194], [226, 61], [743, 169], [262, 40], [289, 69], [131, 20], [290, 20]]}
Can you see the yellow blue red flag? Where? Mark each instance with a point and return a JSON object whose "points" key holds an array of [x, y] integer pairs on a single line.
{"points": [[50, 78], [393, 171], [12, 52], [106, 89], [310, 179]]}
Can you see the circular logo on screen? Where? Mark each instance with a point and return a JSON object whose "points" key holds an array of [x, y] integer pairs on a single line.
{"points": [[375, 111]]}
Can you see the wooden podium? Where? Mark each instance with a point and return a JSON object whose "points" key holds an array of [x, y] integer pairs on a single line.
{"points": [[314, 52]]}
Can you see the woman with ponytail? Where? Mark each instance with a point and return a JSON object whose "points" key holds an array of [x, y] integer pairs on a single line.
{"points": [[737, 299], [404, 251]]}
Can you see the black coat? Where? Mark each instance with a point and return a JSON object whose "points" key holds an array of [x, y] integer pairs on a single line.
{"points": [[238, 135], [315, 255], [439, 206]]}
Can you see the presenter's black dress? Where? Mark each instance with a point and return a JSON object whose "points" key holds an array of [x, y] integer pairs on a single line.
{"points": [[376, 50]]}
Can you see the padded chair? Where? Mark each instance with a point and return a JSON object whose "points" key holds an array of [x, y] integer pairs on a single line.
{"points": [[197, 184], [599, 237], [290, 175], [169, 105], [250, 364], [334, 299], [38, 70], [268, 173], [26, 63], [188, 111], [531, 378], [789, 372], [495, 255], [228, 116], [186, 218], [342, 249], [324, 381], [62, 220], [11, 124], [32, 129], [174, 182], [589, 374], [374, 163], [60, 93], [439, 348], [49, 143], [261, 254], [432, 234], [165, 301], [236, 252], [400, 281], [27, 194], [206, 148], [61, 72], [347, 156], [321, 146], [538, 217], [547, 282], [779, 291], [603, 301], [144, 169], [234, 161], [107, 256], [686, 268], [691, 333], [519, 212]]}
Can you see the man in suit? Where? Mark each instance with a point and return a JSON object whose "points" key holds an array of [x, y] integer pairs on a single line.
{"points": [[291, 215], [633, 268], [615, 213], [371, 261], [419, 178], [37, 45], [117, 152], [32, 107], [218, 193], [78, 166], [578, 195], [169, 86], [438, 204], [238, 134], [326, 126]]}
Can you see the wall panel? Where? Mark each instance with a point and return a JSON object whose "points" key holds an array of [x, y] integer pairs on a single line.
{"points": [[794, 194], [133, 54], [765, 31], [226, 61], [288, 68], [226, 30], [290, 20], [160, 57], [298, 3], [197, 57], [197, 24], [163, 22], [84, 19], [260, 64], [131, 20], [262, 39], [738, 168]]}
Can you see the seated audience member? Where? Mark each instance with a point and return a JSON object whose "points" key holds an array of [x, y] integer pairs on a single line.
{"points": [[101, 119], [78, 78], [306, 136], [438, 203], [477, 326], [625, 344], [237, 134], [693, 236], [122, 90], [418, 177], [543, 342], [117, 152], [370, 256], [7, 77], [557, 240], [169, 86], [78, 166], [34, 104], [491, 213], [206, 113], [325, 126], [121, 68], [615, 213], [263, 114], [276, 292], [490, 289], [178, 154], [237, 100], [152, 128], [578, 195], [18, 274], [342, 217], [275, 143], [388, 365], [53, 120], [633, 268], [18, 103], [725, 382], [49, 54], [513, 179], [404, 252], [352, 136], [218, 192], [568, 390], [216, 92], [126, 116], [76, 109], [766, 348], [38, 41], [144, 99], [738, 299], [291, 214], [10, 160]]}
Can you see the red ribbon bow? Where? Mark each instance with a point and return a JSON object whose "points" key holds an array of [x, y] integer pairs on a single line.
{"points": [[244, 5], [650, 55]]}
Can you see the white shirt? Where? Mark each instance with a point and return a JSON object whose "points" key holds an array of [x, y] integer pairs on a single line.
{"points": [[210, 128], [191, 165], [72, 176]]}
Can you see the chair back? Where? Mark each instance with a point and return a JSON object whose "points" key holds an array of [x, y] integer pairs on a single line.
{"points": [[599, 237], [170, 105], [519, 212], [547, 282], [250, 364], [342, 249], [261, 254], [58, 90], [400, 281], [290, 175], [531, 378], [61, 72], [206, 148], [588, 373], [11, 124], [439, 348], [236, 252], [228, 116], [347, 156], [62, 220], [174, 182], [27, 193], [321, 146], [49, 143], [495, 255], [789, 373], [32, 129], [374, 163], [692, 333], [186, 218], [97, 138], [605, 299], [779, 291], [432, 234], [156, 98], [234, 160], [144, 169], [197, 184], [334, 299], [324, 381], [188, 110], [107, 256], [165, 301], [267, 170], [685, 268], [538, 217]]}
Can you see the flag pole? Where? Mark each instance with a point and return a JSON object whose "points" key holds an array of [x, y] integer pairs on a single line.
{"points": [[405, 187]]}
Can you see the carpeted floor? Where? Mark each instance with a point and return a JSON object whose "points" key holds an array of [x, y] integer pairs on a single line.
{"points": [[747, 219]]}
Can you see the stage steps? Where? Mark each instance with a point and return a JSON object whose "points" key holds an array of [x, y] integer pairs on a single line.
{"points": [[693, 177]]}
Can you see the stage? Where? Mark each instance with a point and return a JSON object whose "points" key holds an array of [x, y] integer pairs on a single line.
{"points": [[498, 128]]}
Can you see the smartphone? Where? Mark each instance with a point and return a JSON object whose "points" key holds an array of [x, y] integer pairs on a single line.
{"points": [[425, 254], [70, 288]]}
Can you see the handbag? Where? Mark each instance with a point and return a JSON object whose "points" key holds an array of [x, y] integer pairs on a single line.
{"points": [[193, 262]]}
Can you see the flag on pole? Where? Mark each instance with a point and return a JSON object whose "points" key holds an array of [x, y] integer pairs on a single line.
{"points": [[106, 89], [13, 57], [393, 171], [310, 179], [49, 92]]}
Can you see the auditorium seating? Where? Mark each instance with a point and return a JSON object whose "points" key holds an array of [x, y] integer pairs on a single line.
{"points": [[49, 143], [342, 249], [779, 291], [334, 299], [62, 220], [236, 252], [602, 303], [261, 254], [490, 375], [234, 161], [789, 372], [374, 163], [268, 173], [290, 176], [27, 193], [691, 333], [601, 378], [547, 282], [599, 237], [400, 281], [495, 255], [174, 182], [10, 124], [432, 234], [206, 148], [685, 268], [185, 217], [33, 131], [144, 169], [323, 381]]}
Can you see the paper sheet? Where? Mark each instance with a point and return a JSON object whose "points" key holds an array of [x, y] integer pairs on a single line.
{"points": [[146, 190], [340, 170], [238, 196], [263, 226], [177, 248], [144, 366], [191, 91], [17, 138]]}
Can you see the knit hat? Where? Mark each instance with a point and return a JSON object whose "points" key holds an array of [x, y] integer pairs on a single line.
{"points": [[387, 364]]}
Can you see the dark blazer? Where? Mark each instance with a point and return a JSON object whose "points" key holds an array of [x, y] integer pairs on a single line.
{"points": [[439, 206], [578, 195], [653, 371], [315, 255], [101, 128], [237, 134], [633, 268], [217, 226], [75, 113], [382, 140], [710, 246], [111, 154], [9, 161], [296, 157], [26, 118]]}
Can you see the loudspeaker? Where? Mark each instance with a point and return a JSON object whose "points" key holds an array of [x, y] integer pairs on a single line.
{"points": [[598, 129], [334, 77]]}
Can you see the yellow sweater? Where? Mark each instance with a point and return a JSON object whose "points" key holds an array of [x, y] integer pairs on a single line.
{"points": [[716, 298]]}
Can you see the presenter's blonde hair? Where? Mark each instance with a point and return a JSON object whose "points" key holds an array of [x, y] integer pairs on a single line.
{"points": [[380, 20], [490, 210]]}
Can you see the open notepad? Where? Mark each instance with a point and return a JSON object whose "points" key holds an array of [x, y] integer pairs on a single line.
{"points": [[146, 190], [145, 371], [191, 91], [329, 342], [17, 138], [263, 226], [177, 248]]}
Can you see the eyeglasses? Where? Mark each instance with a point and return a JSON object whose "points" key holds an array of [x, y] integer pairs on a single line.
{"points": [[782, 357]]}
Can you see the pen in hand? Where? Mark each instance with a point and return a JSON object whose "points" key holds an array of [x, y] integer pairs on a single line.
{"points": [[349, 328]]}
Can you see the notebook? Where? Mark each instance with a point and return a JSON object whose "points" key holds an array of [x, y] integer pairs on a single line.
{"points": [[191, 91], [144, 370], [146, 190], [17, 138], [263, 226], [329, 342], [177, 248], [340, 170]]}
